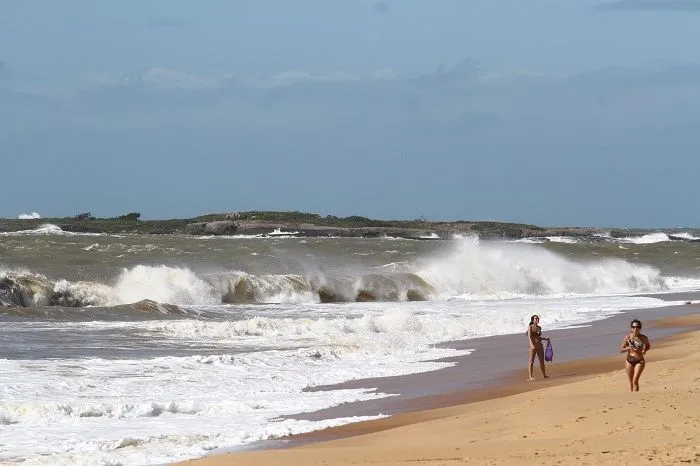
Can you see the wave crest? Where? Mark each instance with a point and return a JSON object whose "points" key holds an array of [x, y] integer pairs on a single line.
{"points": [[471, 270]]}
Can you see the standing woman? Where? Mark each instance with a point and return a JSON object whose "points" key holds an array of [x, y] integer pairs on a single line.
{"points": [[534, 336], [636, 345]]}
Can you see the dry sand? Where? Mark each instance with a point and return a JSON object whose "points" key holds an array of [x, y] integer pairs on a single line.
{"points": [[579, 416]]}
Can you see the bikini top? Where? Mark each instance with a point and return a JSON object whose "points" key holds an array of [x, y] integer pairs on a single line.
{"points": [[535, 330], [636, 343]]}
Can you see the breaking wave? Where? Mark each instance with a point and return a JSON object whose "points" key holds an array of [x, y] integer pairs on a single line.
{"points": [[660, 237], [472, 270], [640, 239]]}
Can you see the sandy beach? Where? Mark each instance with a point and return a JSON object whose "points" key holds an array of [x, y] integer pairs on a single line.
{"points": [[584, 414]]}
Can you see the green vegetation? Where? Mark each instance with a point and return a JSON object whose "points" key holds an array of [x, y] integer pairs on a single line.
{"points": [[353, 221], [130, 217]]}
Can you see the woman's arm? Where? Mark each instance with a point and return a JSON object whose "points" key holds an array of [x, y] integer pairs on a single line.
{"points": [[647, 345], [625, 345]]}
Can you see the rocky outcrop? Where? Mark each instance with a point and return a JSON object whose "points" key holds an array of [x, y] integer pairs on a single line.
{"points": [[253, 227], [304, 224], [435, 230], [195, 228], [218, 228], [222, 227]]}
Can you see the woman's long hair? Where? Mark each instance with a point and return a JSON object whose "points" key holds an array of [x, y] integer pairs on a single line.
{"points": [[532, 321]]}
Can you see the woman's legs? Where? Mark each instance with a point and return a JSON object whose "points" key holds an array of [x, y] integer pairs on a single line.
{"points": [[637, 373], [630, 374], [532, 362]]}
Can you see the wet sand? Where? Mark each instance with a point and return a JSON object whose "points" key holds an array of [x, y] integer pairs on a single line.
{"points": [[485, 385], [498, 365]]}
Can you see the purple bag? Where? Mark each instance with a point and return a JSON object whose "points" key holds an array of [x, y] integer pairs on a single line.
{"points": [[549, 352]]}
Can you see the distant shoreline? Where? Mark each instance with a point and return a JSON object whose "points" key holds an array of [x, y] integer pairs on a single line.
{"points": [[306, 224]]}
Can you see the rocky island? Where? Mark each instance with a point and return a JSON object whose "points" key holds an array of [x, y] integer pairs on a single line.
{"points": [[271, 223]]}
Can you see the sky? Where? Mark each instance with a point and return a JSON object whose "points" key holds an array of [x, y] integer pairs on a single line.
{"points": [[550, 112]]}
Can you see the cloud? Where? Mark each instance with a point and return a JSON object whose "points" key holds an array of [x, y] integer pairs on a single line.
{"points": [[291, 77], [31, 216], [166, 23], [651, 5], [163, 78], [172, 79], [385, 73], [294, 76], [382, 7]]}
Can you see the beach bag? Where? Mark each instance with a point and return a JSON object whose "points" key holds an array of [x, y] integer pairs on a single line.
{"points": [[549, 352]]}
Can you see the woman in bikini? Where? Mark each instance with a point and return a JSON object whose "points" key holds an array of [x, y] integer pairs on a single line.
{"points": [[636, 345], [534, 336]]}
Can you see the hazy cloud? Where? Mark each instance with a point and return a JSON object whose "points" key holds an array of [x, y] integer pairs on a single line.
{"points": [[385, 73], [166, 23], [294, 76], [651, 5], [162, 78], [382, 7]]}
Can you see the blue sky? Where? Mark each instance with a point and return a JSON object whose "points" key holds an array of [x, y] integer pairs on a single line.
{"points": [[561, 112]]}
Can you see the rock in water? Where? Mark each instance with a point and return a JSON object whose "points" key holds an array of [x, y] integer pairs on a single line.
{"points": [[222, 227]]}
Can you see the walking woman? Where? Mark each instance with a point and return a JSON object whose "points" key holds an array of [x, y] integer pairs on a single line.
{"points": [[534, 336], [636, 345]]}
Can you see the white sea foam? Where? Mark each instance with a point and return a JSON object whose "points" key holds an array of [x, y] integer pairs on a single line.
{"points": [[47, 229], [31, 216], [163, 284], [535, 240], [563, 239], [551, 239], [659, 237], [470, 269], [686, 235], [378, 328], [134, 411], [163, 409], [650, 238], [496, 270]]}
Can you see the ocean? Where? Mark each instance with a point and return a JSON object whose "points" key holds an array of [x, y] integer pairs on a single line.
{"points": [[148, 349]]}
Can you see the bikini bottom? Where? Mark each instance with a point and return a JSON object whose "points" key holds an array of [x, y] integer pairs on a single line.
{"points": [[634, 361]]}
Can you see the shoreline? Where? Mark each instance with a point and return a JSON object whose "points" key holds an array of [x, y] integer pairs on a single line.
{"points": [[414, 405]]}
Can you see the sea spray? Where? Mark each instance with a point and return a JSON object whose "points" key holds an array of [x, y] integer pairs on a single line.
{"points": [[494, 270], [470, 269]]}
